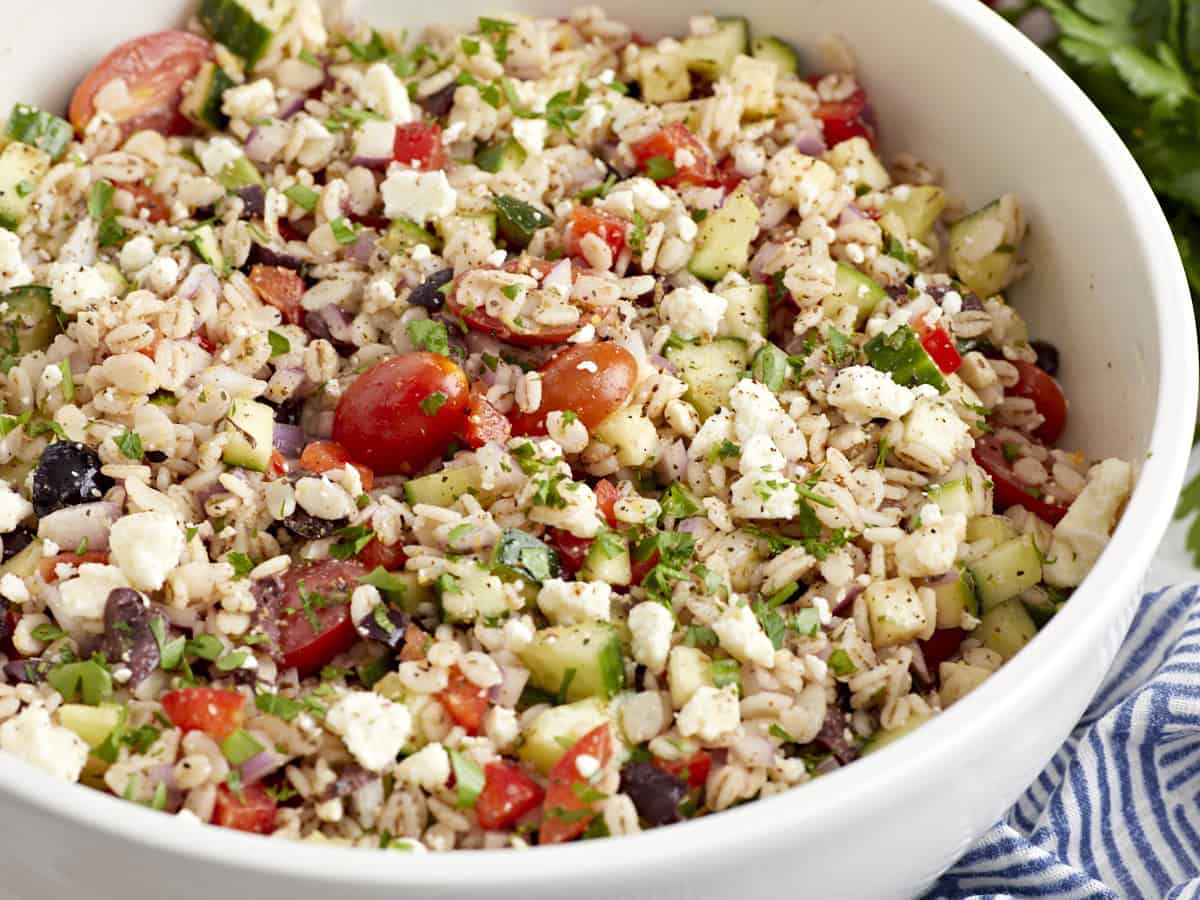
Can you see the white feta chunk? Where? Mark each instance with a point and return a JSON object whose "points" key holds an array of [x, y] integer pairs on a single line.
{"points": [[147, 546], [574, 602], [742, 637], [1083, 532], [79, 603], [137, 254], [13, 271], [386, 94], [419, 196], [56, 750], [863, 393], [934, 436], [693, 312], [530, 134], [374, 140], [651, 626], [428, 768], [710, 714], [13, 508], [322, 498], [216, 154], [75, 288], [932, 548], [373, 728]]}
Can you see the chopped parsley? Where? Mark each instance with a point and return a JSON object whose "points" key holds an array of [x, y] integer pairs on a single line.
{"points": [[497, 32], [678, 503], [279, 344], [659, 168], [303, 196], [841, 663], [431, 404], [429, 334], [242, 564], [130, 445], [343, 232], [352, 540]]}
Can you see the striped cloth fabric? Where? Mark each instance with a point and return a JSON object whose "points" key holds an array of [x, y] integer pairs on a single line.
{"points": [[1116, 813]]}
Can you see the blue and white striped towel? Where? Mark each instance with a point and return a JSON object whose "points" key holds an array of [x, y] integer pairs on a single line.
{"points": [[1116, 813]]}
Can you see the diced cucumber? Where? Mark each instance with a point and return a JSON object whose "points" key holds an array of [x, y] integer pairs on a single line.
{"points": [[996, 529], [770, 366], [855, 154], [474, 595], [501, 156], [467, 226], [92, 723], [852, 288], [521, 555], [518, 221], [664, 77], [1007, 571], [576, 661], [777, 51], [955, 597], [712, 55], [40, 129], [444, 487], [25, 563], [753, 80], [404, 234], [204, 242], [745, 311], [953, 497], [632, 434], [607, 560], [1006, 629], [985, 273], [1040, 604], [886, 736], [409, 594], [27, 320], [202, 103], [554, 731], [251, 436], [241, 173], [688, 670], [710, 371], [958, 679], [901, 354], [895, 612], [916, 213], [723, 240], [233, 24], [21, 169]]}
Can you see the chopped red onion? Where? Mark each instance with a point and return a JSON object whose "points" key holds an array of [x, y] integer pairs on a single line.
{"points": [[762, 256], [290, 380], [71, 526], [692, 525], [164, 773], [851, 214], [290, 105], [847, 602], [265, 141], [508, 691], [810, 142], [261, 765], [199, 277], [377, 163], [827, 765], [289, 440], [664, 364], [755, 750], [331, 322], [361, 249]]}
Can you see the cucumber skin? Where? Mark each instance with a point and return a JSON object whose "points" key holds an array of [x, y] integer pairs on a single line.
{"points": [[559, 649], [40, 129], [258, 420], [901, 354], [230, 24], [710, 371], [28, 317]]}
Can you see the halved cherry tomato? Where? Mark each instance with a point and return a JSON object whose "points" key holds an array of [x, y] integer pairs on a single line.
{"points": [[694, 769], [402, 413], [314, 618], [727, 172], [321, 456], [607, 496], [480, 320], [378, 554], [585, 221], [675, 144], [253, 811], [485, 423], [1006, 487], [844, 119], [216, 712], [420, 146], [508, 793], [591, 380], [572, 551], [464, 701], [48, 565], [1035, 384], [281, 288], [939, 648], [157, 209], [561, 796], [154, 69]]}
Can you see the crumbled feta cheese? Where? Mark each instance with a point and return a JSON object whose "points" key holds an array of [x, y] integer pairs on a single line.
{"points": [[710, 713], [13, 271], [428, 768], [648, 197], [756, 410], [13, 508], [250, 102], [651, 626], [76, 288], [374, 140], [573, 602], [137, 254], [54, 749], [932, 548], [501, 726], [1083, 532], [419, 196], [716, 430], [52, 377], [79, 605], [952, 303], [216, 154], [147, 546], [742, 636], [930, 514], [12, 588], [759, 454], [386, 94], [864, 393], [373, 728], [322, 498], [934, 436], [530, 134], [578, 513], [693, 312]]}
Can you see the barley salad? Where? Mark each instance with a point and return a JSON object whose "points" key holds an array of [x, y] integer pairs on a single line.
{"points": [[508, 434]]}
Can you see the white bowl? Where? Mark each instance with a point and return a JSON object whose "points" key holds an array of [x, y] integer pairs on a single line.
{"points": [[951, 81]]}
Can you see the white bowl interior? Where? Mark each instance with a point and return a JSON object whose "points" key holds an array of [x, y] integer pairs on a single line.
{"points": [[954, 85]]}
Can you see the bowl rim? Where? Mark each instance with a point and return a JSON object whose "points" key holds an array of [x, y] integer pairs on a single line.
{"points": [[1110, 586]]}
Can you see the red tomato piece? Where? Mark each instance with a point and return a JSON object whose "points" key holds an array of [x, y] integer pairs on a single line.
{"points": [[508, 793], [253, 811], [939, 648], [480, 320], [402, 413], [281, 288], [1007, 489], [278, 465], [485, 423], [730, 179], [607, 496], [464, 701], [585, 221], [572, 551], [207, 344], [157, 209], [378, 554], [316, 627], [694, 769], [321, 456], [844, 119], [216, 712], [1035, 384], [675, 144], [420, 146], [940, 347], [154, 69], [561, 795], [48, 565], [639, 569], [591, 380]]}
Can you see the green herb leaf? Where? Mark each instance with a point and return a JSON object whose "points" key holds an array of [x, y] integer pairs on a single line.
{"points": [[130, 445], [431, 404], [468, 778], [242, 564], [303, 196], [279, 344], [841, 663], [678, 503], [344, 232], [100, 197], [429, 334], [659, 168], [279, 706], [240, 746]]}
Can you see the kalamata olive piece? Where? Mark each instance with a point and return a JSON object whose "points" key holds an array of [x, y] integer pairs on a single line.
{"points": [[67, 474], [308, 526], [127, 637], [15, 542], [656, 794], [429, 292], [440, 101], [385, 625], [832, 736], [349, 780], [27, 671], [254, 199], [1047, 356]]}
